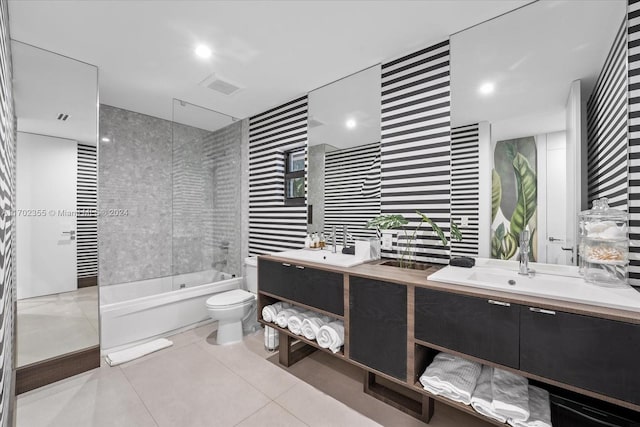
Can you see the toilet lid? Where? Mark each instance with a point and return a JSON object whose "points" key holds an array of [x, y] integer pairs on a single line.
{"points": [[236, 296]]}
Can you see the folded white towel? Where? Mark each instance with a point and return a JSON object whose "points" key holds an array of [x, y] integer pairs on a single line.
{"points": [[510, 395], [482, 396], [331, 336], [269, 312], [122, 356], [282, 319], [312, 324], [295, 321], [539, 407], [452, 377]]}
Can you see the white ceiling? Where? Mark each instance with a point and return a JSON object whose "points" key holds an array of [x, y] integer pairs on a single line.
{"points": [[274, 50], [532, 55], [356, 98], [45, 85]]}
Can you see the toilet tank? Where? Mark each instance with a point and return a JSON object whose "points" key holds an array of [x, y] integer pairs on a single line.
{"points": [[251, 274]]}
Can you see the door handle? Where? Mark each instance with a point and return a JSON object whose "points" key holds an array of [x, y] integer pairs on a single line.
{"points": [[286, 264], [72, 234], [567, 249], [542, 310], [299, 267], [553, 239]]}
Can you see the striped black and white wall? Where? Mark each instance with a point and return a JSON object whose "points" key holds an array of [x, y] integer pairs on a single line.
{"points": [[87, 220], [352, 189], [7, 227], [272, 225], [633, 52], [416, 145], [607, 129], [465, 188]]}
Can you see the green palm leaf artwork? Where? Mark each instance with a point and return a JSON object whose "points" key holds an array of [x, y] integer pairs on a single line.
{"points": [[514, 192]]}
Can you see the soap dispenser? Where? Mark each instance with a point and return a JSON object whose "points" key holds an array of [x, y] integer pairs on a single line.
{"points": [[307, 241]]}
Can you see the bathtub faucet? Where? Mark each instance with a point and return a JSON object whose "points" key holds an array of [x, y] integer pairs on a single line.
{"points": [[221, 263]]}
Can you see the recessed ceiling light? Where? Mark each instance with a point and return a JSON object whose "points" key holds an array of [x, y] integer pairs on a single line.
{"points": [[350, 124], [487, 88], [105, 139], [203, 51]]}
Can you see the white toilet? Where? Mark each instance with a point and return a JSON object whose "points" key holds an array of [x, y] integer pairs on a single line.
{"points": [[232, 308]]}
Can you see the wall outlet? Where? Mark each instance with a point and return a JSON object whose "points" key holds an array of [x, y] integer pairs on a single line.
{"points": [[387, 241], [464, 221]]}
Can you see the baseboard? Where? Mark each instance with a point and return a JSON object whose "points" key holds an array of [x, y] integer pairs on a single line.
{"points": [[85, 282], [48, 371]]}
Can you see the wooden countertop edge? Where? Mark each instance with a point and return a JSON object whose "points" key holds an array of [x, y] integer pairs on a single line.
{"points": [[372, 270]]}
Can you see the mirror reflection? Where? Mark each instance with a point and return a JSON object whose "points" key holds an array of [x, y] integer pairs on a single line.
{"points": [[56, 101], [526, 78], [343, 179]]}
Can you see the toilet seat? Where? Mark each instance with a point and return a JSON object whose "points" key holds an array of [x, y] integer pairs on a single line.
{"points": [[230, 298]]}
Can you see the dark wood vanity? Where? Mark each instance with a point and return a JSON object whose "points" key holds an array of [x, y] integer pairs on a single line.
{"points": [[396, 321]]}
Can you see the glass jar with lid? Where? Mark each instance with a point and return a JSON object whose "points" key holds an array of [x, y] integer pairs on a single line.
{"points": [[604, 244]]}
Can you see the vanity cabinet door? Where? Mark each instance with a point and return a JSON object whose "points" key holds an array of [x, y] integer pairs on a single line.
{"points": [[319, 288], [596, 354], [378, 325], [483, 328], [277, 278]]}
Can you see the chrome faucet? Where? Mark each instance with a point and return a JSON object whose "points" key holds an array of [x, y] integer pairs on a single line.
{"points": [[524, 269], [333, 239]]}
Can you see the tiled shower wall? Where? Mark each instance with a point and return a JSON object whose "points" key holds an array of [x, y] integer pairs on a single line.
{"points": [[206, 199], [180, 187]]}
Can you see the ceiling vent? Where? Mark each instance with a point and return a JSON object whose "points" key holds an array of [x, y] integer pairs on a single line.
{"points": [[219, 85], [63, 117]]}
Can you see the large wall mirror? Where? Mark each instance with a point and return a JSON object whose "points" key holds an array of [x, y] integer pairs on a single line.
{"points": [[343, 176], [526, 77], [56, 101]]}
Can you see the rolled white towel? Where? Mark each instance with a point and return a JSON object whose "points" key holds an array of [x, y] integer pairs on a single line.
{"points": [[452, 377], [482, 396], [312, 324], [295, 321], [282, 319], [331, 336], [510, 395], [269, 312], [539, 408]]}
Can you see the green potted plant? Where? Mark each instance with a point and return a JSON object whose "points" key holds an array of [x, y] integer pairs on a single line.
{"points": [[391, 222]]}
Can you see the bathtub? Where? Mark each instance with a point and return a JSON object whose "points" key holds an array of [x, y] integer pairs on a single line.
{"points": [[135, 312]]}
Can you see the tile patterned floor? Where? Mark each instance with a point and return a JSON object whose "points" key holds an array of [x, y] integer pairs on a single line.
{"points": [[195, 383], [51, 325]]}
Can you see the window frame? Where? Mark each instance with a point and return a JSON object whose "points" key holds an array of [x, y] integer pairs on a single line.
{"points": [[290, 175]]}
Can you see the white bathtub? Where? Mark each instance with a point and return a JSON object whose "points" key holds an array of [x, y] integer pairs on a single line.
{"points": [[135, 312]]}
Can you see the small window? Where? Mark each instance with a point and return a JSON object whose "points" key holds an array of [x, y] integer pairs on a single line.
{"points": [[294, 178]]}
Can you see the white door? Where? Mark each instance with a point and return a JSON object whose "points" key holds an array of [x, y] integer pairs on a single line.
{"points": [[575, 167], [557, 193], [46, 224]]}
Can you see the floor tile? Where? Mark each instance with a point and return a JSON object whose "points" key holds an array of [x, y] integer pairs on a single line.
{"points": [[187, 387], [272, 415], [266, 377], [315, 408], [51, 325], [102, 397]]}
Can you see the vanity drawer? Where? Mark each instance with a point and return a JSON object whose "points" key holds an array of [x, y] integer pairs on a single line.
{"points": [[588, 352], [320, 288], [479, 327], [313, 287], [277, 278]]}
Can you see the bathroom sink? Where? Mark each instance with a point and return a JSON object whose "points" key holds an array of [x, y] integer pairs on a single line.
{"points": [[549, 281], [323, 256]]}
